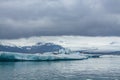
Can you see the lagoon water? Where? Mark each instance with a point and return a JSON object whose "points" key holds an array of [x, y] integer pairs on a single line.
{"points": [[103, 68]]}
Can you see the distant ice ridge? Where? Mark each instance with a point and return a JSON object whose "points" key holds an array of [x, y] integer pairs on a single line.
{"points": [[109, 56], [12, 56]]}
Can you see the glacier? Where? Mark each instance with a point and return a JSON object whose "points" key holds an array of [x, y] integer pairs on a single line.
{"points": [[13, 56]]}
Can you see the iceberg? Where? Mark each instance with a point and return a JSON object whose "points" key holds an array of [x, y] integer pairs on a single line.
{"points": [[12, 56]]}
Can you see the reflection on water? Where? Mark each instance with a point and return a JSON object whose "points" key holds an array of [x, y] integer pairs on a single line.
{"points": [[91, 69]]}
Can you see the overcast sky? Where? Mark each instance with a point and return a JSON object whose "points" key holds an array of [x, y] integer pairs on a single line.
{"points": [[27, 18]]}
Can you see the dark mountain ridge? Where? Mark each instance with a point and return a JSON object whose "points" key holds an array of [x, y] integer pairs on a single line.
{"points": [[37, 48]]}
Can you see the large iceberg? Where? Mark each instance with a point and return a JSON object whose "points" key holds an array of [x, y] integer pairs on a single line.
{"points": [[12, 56]]}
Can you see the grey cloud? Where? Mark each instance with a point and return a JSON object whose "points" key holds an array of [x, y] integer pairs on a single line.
{"points": [[112, 6], [26, 18]]}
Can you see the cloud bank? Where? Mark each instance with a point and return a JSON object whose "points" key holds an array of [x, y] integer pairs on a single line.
{"points": [[26, 18]]}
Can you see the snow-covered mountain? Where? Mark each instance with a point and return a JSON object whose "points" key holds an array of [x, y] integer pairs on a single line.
{"points": [[55, 43], [37, 48]]}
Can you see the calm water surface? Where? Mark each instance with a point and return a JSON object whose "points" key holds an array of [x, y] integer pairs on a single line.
{"points": [[107, 68]]}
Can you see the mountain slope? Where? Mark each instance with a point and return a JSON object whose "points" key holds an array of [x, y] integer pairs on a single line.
{"points": [[38, 48]]}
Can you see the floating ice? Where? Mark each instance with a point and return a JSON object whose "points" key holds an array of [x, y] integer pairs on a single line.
{"points": [[11, 56], [109, 56]]}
